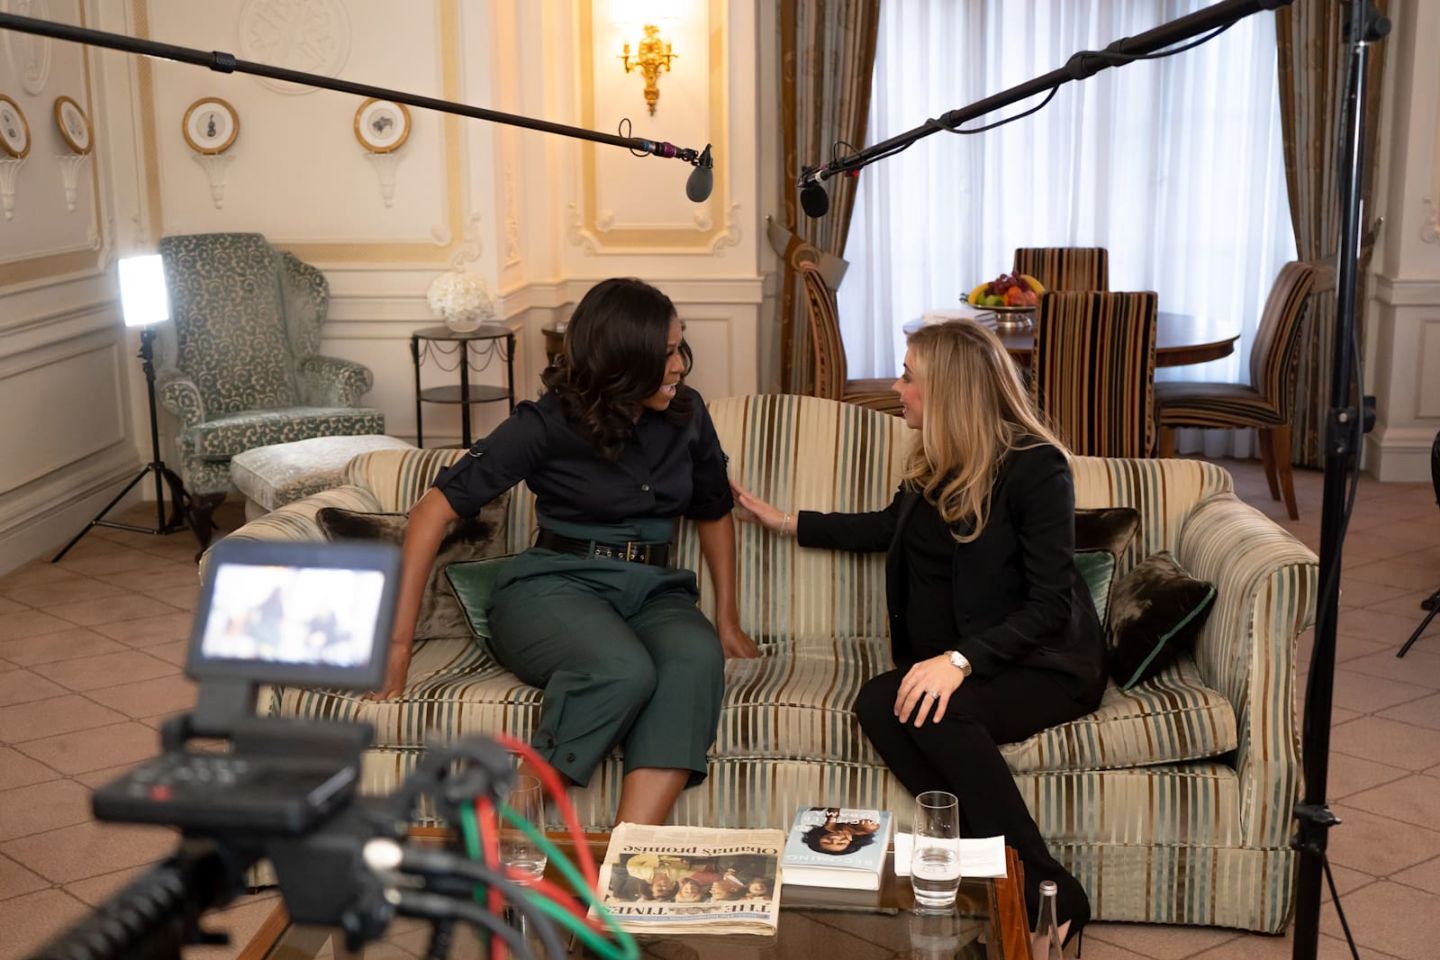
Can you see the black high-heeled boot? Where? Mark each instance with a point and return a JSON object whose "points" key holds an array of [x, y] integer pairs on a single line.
{"points": [[1072, 906]]}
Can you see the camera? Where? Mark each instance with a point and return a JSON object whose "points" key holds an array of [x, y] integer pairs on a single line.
{"points": [[286, 791]]}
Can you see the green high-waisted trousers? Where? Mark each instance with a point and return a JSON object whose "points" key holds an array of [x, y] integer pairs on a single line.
{"points": [[621, 650]]}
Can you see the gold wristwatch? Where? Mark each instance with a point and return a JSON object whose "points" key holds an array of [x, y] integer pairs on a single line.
{"points": [[958, 661]]}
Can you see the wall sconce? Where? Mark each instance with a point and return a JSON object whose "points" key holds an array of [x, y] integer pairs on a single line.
{"points": [[651, 54]]}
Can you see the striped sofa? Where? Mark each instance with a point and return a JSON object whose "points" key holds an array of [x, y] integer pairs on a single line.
{"points": [[1171, 802]]}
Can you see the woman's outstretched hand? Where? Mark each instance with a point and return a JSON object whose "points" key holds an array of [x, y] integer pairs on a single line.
{"points": [[752, 509], [926, 689]]}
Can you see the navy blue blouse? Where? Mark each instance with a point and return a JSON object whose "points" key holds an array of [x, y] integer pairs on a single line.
{"points": [[667, 469]]}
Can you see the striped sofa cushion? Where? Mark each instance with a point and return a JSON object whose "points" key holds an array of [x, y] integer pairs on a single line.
{"points": [[1066, 268], [1093, 370], [1173, 718], [791, 703]]}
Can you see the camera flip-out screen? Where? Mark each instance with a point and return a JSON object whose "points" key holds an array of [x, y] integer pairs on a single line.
{"points": [[292, 613]]}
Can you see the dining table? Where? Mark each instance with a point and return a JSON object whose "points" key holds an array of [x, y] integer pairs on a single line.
{"points": [[1180, 338]]}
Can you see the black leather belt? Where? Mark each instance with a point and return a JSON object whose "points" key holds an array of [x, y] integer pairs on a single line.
{"points": [[655, 554]]}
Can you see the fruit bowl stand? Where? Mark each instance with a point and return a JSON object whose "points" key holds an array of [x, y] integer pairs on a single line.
{"points": [[1007, 319]]}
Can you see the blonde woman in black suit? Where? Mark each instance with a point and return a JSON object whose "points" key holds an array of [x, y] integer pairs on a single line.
{"points": [[992, 629]]}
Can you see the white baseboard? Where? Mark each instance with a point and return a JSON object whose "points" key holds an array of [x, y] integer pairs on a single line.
{"points": [[1400, 454], [52, 510]]}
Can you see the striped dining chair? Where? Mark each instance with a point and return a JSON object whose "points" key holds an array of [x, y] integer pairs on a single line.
{"points": [[1267, 401], [1066, 268], [1092, 373], [828, 350]]}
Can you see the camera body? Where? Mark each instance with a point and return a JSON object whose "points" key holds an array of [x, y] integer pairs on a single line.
{"points": [[285, 790]]}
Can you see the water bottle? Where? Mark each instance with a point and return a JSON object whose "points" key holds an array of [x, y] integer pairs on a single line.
{"points": [[1046, 942]]}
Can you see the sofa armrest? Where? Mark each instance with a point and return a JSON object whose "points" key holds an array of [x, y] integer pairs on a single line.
{"points": [[1266, 583], [296, 523], [332, 382], [179, 394]]}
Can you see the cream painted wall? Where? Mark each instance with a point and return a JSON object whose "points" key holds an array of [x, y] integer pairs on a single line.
{"points": [[1403, 316], [539, 217], [65, 406]]}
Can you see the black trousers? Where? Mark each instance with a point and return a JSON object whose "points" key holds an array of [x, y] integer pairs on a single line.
{"points": [[961, 754]]}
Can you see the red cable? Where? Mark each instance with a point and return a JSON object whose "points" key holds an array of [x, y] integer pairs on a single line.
{"points": [[556, 789], [490, 846]]}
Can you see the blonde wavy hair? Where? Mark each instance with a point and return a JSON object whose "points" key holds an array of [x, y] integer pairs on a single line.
{"points": [[976, 412]]}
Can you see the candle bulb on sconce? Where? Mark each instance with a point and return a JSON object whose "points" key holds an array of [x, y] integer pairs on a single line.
{"points": [[651, 55]]}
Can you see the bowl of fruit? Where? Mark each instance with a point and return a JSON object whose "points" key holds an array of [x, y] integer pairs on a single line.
{"points": [[1011, 297]]}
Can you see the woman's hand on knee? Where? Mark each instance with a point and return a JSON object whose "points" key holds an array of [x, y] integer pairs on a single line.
{"points": [[926, 690]]}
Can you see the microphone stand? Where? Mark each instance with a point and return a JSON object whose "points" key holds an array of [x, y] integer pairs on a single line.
{"points": [[1364, 25], [222, 62]]}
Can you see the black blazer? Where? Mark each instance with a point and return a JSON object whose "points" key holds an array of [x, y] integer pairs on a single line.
{"points": [[1019, 599]]}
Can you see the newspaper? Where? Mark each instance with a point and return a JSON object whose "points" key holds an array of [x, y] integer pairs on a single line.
{"points": [[667, 880]]}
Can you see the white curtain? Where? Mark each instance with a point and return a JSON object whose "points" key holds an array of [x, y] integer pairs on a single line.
{"points": [[1174, 165]]}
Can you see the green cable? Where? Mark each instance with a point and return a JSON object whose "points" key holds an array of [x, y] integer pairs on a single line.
{"points": [[626, 949], [470, 827], [577, 880]]}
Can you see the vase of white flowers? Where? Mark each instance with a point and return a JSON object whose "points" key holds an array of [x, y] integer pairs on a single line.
{"points": [[462, 300]]}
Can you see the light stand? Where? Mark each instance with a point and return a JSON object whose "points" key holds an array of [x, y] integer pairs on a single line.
{"points": [[145, 303], [1363, 26]]}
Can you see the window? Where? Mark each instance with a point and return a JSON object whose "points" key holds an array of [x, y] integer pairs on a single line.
{"points": [[1174, 165]]}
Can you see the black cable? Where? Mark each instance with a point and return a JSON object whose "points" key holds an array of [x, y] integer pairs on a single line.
{"points": [[1000, 123], [434, 906], [1335, 899], [446, 868]]}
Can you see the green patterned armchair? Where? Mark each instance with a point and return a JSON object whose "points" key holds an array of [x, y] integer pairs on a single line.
{"points": [[242, 367]]}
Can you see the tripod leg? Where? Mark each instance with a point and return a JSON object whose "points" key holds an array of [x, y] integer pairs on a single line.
{"points": [[1433, 605], [118, 497]]}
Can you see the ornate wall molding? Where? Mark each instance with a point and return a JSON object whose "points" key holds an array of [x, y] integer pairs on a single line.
{"points": [[312, 36], [29, 55]]}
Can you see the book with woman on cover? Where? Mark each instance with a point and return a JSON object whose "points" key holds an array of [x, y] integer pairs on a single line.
{"points": [[668, 879], [836, 847]]}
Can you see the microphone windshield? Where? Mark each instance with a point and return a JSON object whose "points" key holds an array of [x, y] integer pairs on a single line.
{"points": [[814, 200], [702, 178], [701, 182]]}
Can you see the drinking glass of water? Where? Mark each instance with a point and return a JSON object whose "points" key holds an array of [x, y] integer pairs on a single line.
{"points": [[517, 851], [935, 857]]}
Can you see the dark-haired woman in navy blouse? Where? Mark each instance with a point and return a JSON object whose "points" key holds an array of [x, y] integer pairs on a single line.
{"points": [[616, 451]]}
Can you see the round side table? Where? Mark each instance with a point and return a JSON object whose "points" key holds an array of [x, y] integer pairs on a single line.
{"points": [[492, 340]]}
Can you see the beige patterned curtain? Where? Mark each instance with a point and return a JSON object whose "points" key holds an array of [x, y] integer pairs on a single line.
{"points": [[1312, 75], [827, 56]]}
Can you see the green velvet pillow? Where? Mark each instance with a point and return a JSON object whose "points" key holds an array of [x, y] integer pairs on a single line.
{"points": [[1098, 569], [473, 583], [1156, 611], [466, 539]]}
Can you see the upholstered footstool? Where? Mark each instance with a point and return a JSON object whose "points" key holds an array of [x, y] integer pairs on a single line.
{"points": [[273, 476]]}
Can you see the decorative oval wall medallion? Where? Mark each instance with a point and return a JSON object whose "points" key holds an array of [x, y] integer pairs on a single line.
{"points": [[312, 36], [29, 55]]}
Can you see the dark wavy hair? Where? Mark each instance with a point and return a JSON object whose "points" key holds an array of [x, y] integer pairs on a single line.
{"points": [[811, 838], [613, 360]]}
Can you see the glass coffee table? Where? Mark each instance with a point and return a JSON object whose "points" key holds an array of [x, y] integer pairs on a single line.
{"points": [[988, 923]]}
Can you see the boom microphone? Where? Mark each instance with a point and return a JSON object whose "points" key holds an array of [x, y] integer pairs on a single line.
{"points": [[813, 198], [702, 178]]}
